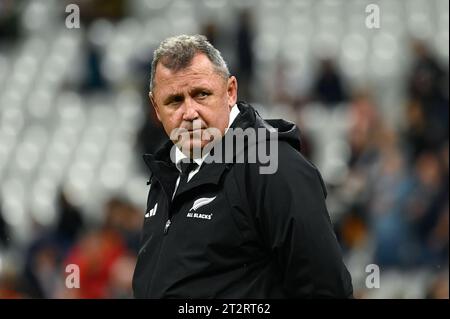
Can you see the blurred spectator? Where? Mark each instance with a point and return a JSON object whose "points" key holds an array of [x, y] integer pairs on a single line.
{"points": [[351, 230], [106, 256], [95, 254], [388, 181], [364, 125], [70, 220], [245, 54], [10, 286], [439, 287], [41, 271], [416, 128], [124, 218], [93, 79], [151, 135], [49, 248], [9, 20], [329, 87], [120, 285], [426, 81], [4, 230], [406, 209], [427, 207], [428, 101], [210, 32]]}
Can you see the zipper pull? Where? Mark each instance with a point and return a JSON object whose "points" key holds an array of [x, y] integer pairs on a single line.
{"points": [[166, 228]]}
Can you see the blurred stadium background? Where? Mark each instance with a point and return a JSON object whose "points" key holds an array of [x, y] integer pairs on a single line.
{"points": [[372, 105]]}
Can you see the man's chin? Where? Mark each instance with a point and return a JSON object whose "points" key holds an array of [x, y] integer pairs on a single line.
{"points": [[192, 149]]}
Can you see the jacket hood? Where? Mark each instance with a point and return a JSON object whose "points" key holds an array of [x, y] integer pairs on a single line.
{"points": [[286, 130]]}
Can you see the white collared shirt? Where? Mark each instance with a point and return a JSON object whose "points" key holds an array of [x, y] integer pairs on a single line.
{"points": [[179, 155]]}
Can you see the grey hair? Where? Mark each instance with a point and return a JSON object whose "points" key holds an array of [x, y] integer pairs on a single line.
{"points": [[176, 53]]}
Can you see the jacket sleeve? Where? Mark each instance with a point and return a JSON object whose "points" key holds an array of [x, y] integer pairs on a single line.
{"points": [[290, 213]]}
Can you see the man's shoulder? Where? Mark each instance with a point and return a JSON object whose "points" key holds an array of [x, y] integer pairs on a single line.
{"points": [[286, 165]]}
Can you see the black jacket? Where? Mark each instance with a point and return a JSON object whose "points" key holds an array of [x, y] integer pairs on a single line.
{"points": [[261, 236]]}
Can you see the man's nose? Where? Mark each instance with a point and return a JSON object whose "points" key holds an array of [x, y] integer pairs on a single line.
{"points": [[190, 112]]}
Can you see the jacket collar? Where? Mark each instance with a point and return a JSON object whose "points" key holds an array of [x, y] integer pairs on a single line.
{"points": [[167, 174]]}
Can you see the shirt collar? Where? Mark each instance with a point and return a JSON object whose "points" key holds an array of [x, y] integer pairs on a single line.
{"points": [[179, 155], [233, 114]]}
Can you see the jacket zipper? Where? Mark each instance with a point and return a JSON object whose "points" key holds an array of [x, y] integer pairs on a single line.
{"points": [[166, 229]]}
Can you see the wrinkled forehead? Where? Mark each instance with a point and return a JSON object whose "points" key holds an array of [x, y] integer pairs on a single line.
{"points": [[200, 72]]}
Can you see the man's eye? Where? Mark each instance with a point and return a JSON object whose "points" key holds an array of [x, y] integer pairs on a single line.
{"points": [[203, 94], [175, 101]]}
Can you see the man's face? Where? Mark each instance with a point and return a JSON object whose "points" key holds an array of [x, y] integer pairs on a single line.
{"points": [[197, 93]]}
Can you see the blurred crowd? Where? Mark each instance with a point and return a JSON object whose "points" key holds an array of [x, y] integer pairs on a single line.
{"points": [[391, 208], [104, 254]]}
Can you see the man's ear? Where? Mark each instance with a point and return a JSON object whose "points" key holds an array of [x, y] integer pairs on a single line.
{"points": [[232, 88], [155, 106]]}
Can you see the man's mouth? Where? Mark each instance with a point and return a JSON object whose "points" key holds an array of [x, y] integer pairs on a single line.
{"points": [[198, 130]]}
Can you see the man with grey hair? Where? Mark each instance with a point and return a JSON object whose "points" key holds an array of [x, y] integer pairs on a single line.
{"points": [[221, 229], [177, 53]]}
